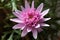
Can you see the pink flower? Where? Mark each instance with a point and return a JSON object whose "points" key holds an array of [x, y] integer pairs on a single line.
{"points": [[30, 19]]}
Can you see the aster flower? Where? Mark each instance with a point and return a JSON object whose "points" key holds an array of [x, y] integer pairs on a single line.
{"points": [[30, 19]]}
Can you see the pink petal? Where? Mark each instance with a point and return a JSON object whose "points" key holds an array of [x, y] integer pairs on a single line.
{"points": [[45, 12], [26, 4], [18, 26], [22, 8], [37, 26], [29, 29], [17, 13], [39, 29], [32, 4], [40, 7], [22, 28], [16, 20], [34, 31], [43, 24], [24, 32], [46, 19]]}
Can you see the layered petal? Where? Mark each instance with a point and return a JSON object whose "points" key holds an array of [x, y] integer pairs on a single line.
{"points": [[46, 19], [44, 12], [19, 26], [24, 32], [17, 13], [32, 5], [40, 7], [27, 6], [30, 19], [43, 24], [34, 31], [17, 20]]}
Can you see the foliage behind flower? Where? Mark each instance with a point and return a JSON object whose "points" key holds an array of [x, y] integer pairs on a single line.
{"points": [[30, 19]]}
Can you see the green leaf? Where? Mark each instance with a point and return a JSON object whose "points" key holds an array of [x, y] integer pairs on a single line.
{"points": [[11, 37], [3, 37], [14, 7], [17, 31]]}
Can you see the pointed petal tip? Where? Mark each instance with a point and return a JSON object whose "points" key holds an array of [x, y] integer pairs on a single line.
{"points": [[46, 19], [40, 7], [27, 4], [35, 37], [22, 35], [45, 25], [42, 3], [34, 33], [13, 28], [16, 20], [45, 12], [48, 9], [32, 4], [22, 8], [11, 19], [49, 18]]}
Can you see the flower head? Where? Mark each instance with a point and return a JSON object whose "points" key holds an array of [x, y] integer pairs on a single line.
{"points": [[30, 19]]}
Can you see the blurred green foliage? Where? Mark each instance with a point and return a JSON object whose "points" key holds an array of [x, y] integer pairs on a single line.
{"points": [[6, 31]]}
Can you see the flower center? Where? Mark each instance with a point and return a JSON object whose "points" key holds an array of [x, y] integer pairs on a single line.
{"points": [[30, 16]]}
